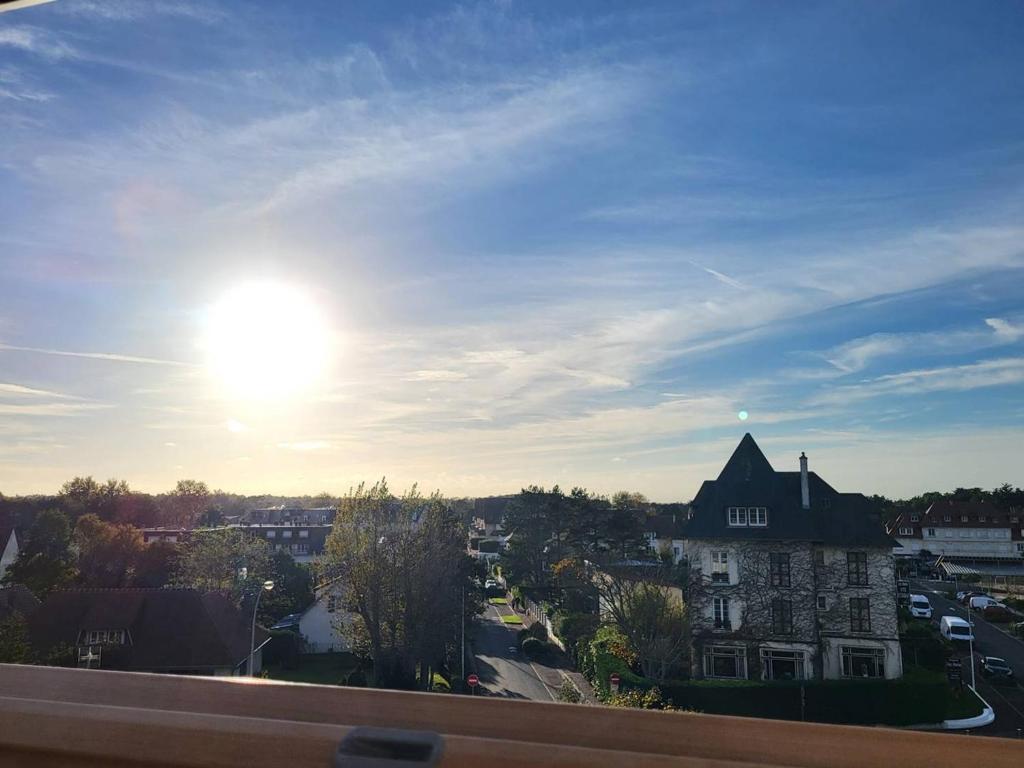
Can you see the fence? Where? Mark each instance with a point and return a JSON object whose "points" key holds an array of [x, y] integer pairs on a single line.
{"points": [[538, 614]]}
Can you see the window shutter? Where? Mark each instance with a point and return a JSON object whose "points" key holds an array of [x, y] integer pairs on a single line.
{"points": [[735, 614]]}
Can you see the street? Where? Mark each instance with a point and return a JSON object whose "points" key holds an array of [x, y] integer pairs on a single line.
{"points": [[502, 669], [989, 640]]}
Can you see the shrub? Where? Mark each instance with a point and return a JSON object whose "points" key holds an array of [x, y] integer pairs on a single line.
{"points": [[567, 692], [538, 631], [438, 683], [649, 699], [521, 635], [533, 647], [357, 679], [573, 627]]}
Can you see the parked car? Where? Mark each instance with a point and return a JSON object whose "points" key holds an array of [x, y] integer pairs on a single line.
{"points": [[981, 602], [997, 669], [968, 595], [955, 629], [920, 608], [961, 595]]}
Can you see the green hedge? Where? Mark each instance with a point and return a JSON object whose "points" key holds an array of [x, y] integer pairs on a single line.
{"points": [[920, 697]]}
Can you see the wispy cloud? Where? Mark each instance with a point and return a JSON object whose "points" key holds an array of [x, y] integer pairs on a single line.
{"points": [[36, 41], [136, 10], [306, 445], [857, 354], [18, 390], [49, 409], [956, 378], [114, 357]]}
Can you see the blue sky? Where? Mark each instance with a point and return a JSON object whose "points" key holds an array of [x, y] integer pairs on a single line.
{"points": [[552, 242]]}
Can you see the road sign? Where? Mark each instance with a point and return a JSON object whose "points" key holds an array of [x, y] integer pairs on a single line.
{"points": [[614, 680], [473, 681]]}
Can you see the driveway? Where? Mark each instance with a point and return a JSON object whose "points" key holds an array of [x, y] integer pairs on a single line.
{"points": [[502, 669], [989, 640]]}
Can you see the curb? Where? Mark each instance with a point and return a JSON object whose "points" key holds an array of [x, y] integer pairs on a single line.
{"points": [[987, 717]]}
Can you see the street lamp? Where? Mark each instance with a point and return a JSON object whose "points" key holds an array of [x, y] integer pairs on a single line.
{"points": [[267, 586]]}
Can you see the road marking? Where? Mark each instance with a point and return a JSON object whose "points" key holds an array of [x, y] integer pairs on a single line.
{"points": [[515, 662], [1008, 702]]}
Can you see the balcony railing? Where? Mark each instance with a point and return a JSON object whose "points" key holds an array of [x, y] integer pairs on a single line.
{"points": [[66, 717]]}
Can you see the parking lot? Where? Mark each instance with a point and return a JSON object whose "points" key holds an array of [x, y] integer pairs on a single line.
{"points": [[990, 639]]}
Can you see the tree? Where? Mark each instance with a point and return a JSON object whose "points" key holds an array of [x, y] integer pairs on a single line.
{"points": [[293, 588], [625, 525], [15, 647], [229, 560], [404, 572], [648, 610], [107, 552], [156, 564], [80, 496], [187, 502], [45, 562]]}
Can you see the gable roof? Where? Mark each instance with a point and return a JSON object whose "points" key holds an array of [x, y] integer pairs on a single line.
{"points": [[748, 480], [168, 629]]}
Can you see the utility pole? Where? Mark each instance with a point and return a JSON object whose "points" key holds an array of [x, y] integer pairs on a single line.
{"points": [[463, 643]]}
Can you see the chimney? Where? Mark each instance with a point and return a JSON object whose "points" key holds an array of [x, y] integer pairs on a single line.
{"points": [[805, 489]]}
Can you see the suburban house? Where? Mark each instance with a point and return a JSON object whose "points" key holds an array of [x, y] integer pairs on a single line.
{"points": [[171, 535], [8, 547], [320, 625], [291, 515], [488, 514], [664, 532], [789, 579], [181, 631], [963, 538]]}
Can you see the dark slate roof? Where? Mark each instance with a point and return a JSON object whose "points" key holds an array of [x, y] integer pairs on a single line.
{"points": [[17, 599], [666, 525], [491, 508], [748, 480], [169, 629]]}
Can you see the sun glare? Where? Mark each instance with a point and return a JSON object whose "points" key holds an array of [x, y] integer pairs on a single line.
{"points": [[266, 341]]}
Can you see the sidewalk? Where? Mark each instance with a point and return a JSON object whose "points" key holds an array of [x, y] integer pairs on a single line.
{"points": [[554, 670]]}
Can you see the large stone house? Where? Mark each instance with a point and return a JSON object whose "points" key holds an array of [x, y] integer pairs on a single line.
{"points": [[789, 579]]}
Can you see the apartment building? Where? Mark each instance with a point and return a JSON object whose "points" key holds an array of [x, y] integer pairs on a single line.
{"points": [[789, 579], [960, 529]]}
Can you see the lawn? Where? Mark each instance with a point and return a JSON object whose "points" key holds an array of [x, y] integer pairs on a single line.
{"points": [[497, 601], [963, 704], [513, 619], [320, 668]]}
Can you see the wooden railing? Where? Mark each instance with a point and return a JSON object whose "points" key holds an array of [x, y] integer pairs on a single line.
{"points": [[69, 717]]}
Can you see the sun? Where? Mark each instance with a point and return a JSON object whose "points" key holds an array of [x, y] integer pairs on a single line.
{"points": [[266, 341]]}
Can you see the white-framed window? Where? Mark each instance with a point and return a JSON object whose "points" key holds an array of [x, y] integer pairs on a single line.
{"points": [[819, 558], [725, 661], [947, 518], [757, 516], [720, 567], [963, 518], [863, 662], [286, 534], [1020, 546], [677, 551], [915, 518], [303, 534], [720, 612], [98, 636], [906, 531], [271, 534], [981, 518], [931, 532], [737, 515], [782, 665], [299, 549], [822, 603]]}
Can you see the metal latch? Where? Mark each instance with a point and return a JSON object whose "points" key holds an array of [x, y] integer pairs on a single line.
{"points": [[367, 747]]}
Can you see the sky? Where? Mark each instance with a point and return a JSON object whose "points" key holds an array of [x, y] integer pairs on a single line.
{"points": [[585, 243]]}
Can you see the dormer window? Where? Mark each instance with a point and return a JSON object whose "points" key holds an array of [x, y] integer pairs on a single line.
{"points": [[737, 516], [915, 518], [981, 518], [757, 516], [964, 518], [947, 518], [104, 636]]}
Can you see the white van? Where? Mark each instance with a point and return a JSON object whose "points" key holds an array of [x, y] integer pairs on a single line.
{"points": [[954, 628], [981, 602], [920, 608]]}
